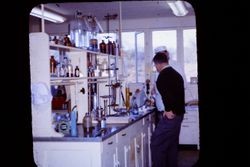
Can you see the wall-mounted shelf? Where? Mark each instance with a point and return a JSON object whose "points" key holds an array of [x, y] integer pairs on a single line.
{"points": [[57, 46], [70, 48], [66, 81]]}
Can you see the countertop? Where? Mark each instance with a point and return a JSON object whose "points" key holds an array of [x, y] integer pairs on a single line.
{"points": [[95, 134]]}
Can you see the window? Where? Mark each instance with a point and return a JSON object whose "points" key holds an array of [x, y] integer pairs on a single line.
{"points": [[133, 48], [166, 38], [190, 53], [186, 62]]}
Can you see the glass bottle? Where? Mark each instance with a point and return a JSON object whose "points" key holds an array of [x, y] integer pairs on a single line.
{"points": [[113, 48], [93, 43], [104, 67], [61, 70], [55, 40], [65, 66], [90, 70], [103, 122], [109, 47], [66, 41], [77, 71], [52, 66], [127, 96], [78, 30], [69, 69], [102, 47], [87, 121]]}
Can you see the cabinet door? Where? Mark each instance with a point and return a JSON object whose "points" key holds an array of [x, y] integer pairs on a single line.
{"points": [[138, 149], [144, 148], [67, 154], [145, 140], [189, 133], [109, 155], [123, 147], [148, 145]]}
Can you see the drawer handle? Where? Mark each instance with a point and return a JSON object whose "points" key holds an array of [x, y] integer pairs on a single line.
{"points": [[185, 125], [109, 143], [124, 134]]}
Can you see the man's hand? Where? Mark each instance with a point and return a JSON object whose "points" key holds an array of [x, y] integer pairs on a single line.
{"points": [[169, 114]]}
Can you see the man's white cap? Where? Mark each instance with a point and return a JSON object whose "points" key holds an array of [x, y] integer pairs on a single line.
{"points": [[160, 49]]}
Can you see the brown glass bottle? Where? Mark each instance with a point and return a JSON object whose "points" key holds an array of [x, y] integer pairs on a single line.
{"points": [[110, 46], [67, 41], [113, 48], [102, 47], [52, 66]]}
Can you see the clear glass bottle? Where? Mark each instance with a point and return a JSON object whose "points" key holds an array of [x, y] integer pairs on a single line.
{"points": [[104, 64], [104, 67], [87, 121], [78, 31], [69, 69], [103, 122], [93, 42]]}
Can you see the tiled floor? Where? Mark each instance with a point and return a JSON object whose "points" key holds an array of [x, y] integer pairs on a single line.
{"points": [[187, 158]]}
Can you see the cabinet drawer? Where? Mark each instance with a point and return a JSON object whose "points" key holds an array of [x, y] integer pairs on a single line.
{"points": [[123, 136], [188, 134], [135, 128], [190, 118], [109, 142], [109, 152], [189, 126]]}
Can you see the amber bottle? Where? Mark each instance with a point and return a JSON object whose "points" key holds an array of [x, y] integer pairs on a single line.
{"points": [[102, 47], [52, 66], [113, 48]]}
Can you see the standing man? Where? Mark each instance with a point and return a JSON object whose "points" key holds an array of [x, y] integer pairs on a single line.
{"points": [[165, 139]]}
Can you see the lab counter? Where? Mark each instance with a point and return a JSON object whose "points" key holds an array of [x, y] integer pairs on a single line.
{"points": [[119, 144], [96, 133]]}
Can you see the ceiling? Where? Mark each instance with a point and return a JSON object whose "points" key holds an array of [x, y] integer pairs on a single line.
{"points": [[129, 9]]}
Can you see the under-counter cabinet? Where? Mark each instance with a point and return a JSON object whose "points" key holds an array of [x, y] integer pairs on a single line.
{"points": [[109, 154], [189, 134], [123, 147], [67, 154], [128, 147]]}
